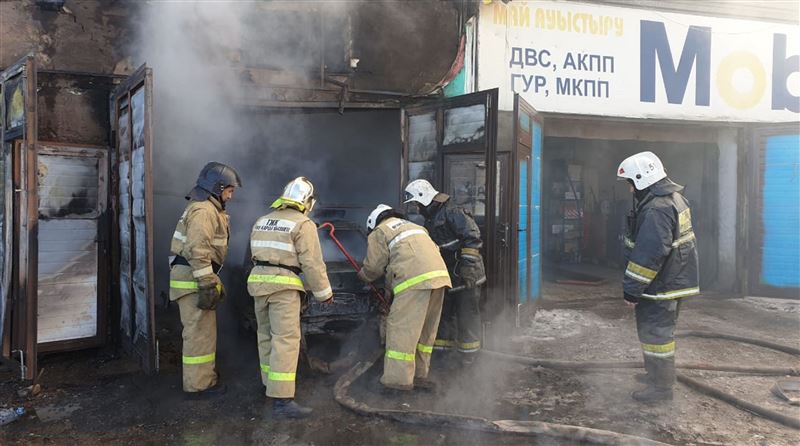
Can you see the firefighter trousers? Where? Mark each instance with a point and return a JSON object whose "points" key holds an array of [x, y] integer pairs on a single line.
{"points": [[278, 317], [460, 326], [199, 344], [410, 332], [655, 325]]}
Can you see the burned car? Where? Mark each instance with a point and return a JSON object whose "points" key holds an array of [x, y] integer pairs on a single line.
{"points": [[353, 302], [354, 305]]}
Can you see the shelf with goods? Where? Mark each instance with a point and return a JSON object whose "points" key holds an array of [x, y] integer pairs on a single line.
{"points": [[567, 220]]}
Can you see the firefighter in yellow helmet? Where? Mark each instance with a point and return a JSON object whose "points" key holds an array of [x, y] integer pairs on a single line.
{"points": [[284, 244], [200, 244], [418, 277]]}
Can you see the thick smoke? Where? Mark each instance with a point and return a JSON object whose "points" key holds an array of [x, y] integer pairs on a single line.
{"points": [[204, 56], [199, 52]]}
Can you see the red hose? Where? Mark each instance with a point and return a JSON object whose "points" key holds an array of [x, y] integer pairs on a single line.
{"points": [[352, 261]]}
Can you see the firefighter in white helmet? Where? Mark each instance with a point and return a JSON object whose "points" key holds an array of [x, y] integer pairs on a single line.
{"points": [[284, 244], [662, 267], [415, 272], [200, 244], [454, 230]]}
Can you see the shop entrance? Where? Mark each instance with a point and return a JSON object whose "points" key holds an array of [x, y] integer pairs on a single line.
{"points": [[585, 207]]}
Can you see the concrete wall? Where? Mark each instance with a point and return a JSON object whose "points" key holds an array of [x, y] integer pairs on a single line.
{"points": [[727, 141]]}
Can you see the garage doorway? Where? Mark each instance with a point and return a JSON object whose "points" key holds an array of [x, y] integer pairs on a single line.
{"points": [[585, 207]]}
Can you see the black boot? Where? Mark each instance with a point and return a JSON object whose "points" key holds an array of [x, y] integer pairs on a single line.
{"points": [[214, 391], [375, 386], [643, 378], [425, 385], [286, 408], [653, 394], [468, 359]]}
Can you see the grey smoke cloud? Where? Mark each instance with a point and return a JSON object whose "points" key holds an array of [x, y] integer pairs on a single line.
{"points": [[198, 52]]}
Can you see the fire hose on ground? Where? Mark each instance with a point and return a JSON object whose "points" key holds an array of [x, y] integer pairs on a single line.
{"points": [[569, 432]]}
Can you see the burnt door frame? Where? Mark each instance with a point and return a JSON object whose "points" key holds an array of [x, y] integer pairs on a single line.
{"points": [[7, 235], [144, 349], [19, 327], [103, 260], [754, 242], [487, 147]]}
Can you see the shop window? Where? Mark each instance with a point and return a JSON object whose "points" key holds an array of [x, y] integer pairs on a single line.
{"points": [[464, 124], [422, 147], [15, 103], [422, 137], [466, 183]]}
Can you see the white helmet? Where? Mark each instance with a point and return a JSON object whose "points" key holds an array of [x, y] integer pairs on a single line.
{"points": [[420, 191], [644, 169], [373, 216], [299, 194]]}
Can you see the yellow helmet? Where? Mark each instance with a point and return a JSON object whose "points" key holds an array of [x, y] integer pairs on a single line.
{"points": [[299, 194]]}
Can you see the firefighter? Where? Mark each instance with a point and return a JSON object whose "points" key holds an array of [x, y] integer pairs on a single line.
{"points": [[200, 244], [662, 267], [417, 276], [284, 244], [459, 239]]}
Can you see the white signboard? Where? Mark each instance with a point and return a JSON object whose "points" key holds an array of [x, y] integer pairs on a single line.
{"points": [[597, 60]]}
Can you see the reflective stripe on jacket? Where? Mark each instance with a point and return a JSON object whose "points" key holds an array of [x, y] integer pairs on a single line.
{"points": [[661, 250], [201, 237], [287, 237], [408, 257]]}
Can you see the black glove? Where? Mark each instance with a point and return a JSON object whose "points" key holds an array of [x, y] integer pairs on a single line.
{"points": [[210, 292], [630, 298]]}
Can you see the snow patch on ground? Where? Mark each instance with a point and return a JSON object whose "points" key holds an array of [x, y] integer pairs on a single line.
{"points": [[771, 304], [561, 323]]}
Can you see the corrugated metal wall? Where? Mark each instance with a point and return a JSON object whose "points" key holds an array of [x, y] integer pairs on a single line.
{"points": [[69, 208]]}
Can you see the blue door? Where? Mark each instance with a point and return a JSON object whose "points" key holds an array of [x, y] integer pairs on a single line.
{"points": [[775, 224], [528, 137]]}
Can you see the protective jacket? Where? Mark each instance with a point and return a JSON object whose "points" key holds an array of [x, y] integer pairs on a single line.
{"points": [[660, 247], [283, 244], [201, 239], [408, 257], [455, 232]]}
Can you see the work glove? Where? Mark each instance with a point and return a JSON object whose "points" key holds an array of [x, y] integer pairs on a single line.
{"points": [[362, 277], [470, 268], [631, 298], [210, 292]]}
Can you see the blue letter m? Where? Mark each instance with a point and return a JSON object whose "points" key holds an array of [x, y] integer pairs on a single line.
{"points": [[697, 48]]}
